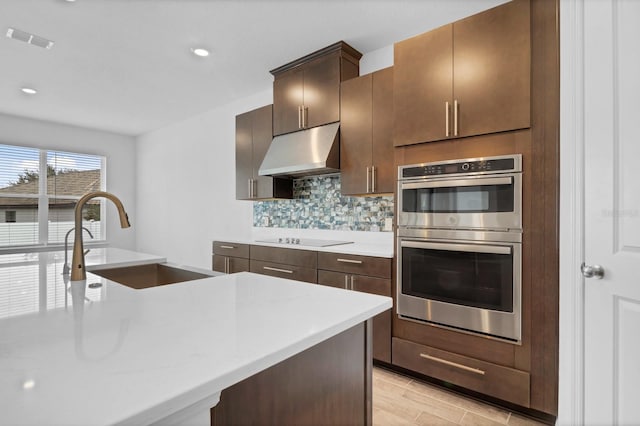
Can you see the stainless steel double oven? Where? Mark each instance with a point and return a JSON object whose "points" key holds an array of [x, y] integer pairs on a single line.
{"points": [[459, 245]]}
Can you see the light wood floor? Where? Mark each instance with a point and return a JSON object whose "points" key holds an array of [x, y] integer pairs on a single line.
{"points": [[399, 400]]}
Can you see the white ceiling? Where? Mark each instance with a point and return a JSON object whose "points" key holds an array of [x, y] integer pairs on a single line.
{"points": [[125, 65]]}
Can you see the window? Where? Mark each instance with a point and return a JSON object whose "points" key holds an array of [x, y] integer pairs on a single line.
{"points": [[39, 190]]}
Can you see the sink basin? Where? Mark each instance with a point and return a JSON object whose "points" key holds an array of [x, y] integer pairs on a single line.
{"points": [[151, 275]]}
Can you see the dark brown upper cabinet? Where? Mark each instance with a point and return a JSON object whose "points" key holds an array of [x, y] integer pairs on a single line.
{"points": [[253, 136], [366, 134], [306, 92], [468, 78]]}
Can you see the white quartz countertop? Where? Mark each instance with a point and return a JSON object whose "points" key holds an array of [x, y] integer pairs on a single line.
{"points": [[127, 356], [377, 244]]}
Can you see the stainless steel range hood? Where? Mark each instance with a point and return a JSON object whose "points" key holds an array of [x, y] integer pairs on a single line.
{"points": [[304, 153]]}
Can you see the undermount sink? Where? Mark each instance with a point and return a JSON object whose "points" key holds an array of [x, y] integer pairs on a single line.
{"points": [[151, 275]]}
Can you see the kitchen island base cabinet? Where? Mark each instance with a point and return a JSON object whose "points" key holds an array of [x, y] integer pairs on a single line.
{"points": [[328, 384]]}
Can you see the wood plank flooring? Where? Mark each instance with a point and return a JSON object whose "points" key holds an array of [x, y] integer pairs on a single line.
{"points": [[400, 400]]}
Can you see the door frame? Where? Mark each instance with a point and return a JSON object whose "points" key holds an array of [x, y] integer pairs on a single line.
{"points": [[572, 190]]}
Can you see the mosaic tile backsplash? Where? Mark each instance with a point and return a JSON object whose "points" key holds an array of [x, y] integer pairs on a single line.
{"points": [[318, 204]]}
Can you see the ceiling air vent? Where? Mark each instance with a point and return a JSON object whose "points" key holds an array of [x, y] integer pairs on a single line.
{"points": [[29, 38]]}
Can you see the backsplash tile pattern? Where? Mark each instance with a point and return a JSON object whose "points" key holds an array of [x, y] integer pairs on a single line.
{"points": [[318, 204]]}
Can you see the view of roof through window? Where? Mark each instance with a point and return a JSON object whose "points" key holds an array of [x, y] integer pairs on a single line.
{"points": [[26, 200]]}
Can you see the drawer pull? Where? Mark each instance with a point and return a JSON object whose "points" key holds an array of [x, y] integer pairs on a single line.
{"points": [[359, 262], [453, 364], [269, 268], [227, 247]]}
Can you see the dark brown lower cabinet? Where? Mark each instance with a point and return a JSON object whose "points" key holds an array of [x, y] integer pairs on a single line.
{"points": [[291, 272], [366, 274], [491, 379], [229, 265], [381, 329], [229, 257], [328, 384]]}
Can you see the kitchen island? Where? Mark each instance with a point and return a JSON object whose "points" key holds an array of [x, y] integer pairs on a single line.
{"points": [[168, 354]]}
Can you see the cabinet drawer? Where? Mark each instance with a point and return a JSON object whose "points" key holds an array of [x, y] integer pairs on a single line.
{"points": [[229, 265], [353, 264], [495, 380], [231, 249], [280, 270], [285, 256]]}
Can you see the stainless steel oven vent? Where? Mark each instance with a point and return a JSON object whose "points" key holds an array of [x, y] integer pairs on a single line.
{"points": [[29, 38]]}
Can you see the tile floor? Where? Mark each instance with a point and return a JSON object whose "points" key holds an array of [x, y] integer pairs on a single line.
{"points": [[400, 400]]}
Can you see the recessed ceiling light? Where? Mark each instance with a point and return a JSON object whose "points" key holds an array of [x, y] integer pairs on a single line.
{"points": [[200, 51], [29, 90]]}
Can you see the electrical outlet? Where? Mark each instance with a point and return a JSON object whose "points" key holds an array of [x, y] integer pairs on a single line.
{"points": [[388, 224]]}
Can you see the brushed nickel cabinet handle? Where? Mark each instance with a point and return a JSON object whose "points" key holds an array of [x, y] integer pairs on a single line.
{"points": [[305, 117], [351, 286], [368, 186], [455, 118], [349, 261], [453, 364], [249, 190], [254, 188], [228, 247], [373, 178], [269, 268], [226, 265], [346, 282], [446, 118], [299, 116]]}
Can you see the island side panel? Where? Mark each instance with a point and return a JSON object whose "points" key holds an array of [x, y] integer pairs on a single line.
{"points": [[328, 384]]}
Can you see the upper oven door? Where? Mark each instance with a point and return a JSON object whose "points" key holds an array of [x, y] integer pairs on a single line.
{"points": [[471, 202]]}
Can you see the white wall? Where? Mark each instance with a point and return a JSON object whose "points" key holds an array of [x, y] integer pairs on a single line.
{"points": [[376, 60], [186, 185], [119, 150]]}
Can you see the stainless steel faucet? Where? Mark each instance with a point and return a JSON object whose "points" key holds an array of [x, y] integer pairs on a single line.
{"points": [[78, 272], [65, 267]]}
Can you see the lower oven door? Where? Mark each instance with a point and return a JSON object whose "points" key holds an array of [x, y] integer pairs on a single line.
{"points": [[469, 285]]}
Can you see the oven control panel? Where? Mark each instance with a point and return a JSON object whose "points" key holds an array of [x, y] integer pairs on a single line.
{"points": [[475, 165]]}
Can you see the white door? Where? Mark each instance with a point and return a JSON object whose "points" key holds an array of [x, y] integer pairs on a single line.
{"points": [[612, 211]]}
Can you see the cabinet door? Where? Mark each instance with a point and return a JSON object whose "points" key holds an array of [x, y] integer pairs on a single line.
{"points": [[229, 265], [287, 98], [237, 264], [244, 166], [381, 322], [422, 83], [219, 263], [492, 68], [334, 279], [262, 135], [355, 135], [384, 177], [322, 90]]}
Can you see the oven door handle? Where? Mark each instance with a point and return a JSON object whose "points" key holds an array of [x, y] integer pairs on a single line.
{"points": [[471, 248], [459, 182]]}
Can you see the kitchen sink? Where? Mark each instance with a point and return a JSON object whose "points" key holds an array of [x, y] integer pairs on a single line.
{"points": [[151, 275]]}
